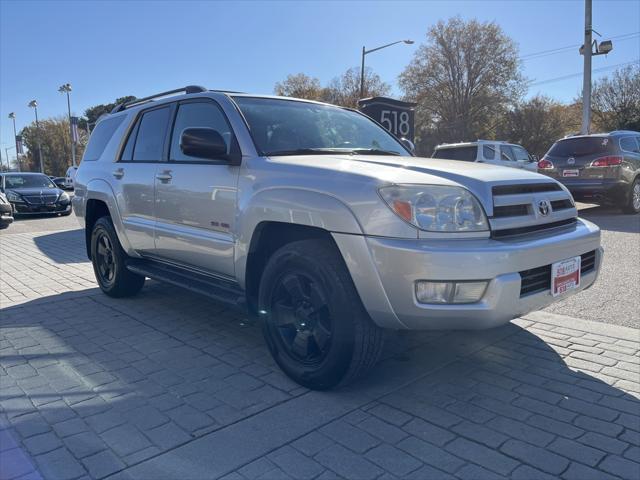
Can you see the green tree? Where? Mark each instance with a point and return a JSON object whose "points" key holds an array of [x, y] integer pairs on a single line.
{"points": [[56, 146], [615, 100], [300, 86], [463, 78], [92, 114], [535, 124]]}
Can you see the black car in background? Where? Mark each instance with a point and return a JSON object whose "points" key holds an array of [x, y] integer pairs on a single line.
{"points": [[60, 182], [6, 212], [600, 168], [34, 193]]}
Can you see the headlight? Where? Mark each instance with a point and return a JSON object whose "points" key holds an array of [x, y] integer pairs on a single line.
{"points": [[14, 197], [436, 208], [64, 197]]}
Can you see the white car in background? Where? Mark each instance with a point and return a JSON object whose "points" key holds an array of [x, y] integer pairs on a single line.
{"points": [[70, 177], [492, 152]]}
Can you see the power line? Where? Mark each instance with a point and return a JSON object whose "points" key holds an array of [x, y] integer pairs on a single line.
{"points": [[553, 51], [572, 75]]}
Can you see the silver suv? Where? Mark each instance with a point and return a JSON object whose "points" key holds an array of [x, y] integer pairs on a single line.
{"points": [[322, 224]]}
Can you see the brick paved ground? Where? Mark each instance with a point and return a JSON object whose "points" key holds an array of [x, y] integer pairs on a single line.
{"points": [[171, 385]]}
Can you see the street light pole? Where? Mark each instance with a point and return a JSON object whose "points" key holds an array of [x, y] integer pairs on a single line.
{"points": [[365, 52], [34, 104], [586, 77], [66, 88], [12, 116]]}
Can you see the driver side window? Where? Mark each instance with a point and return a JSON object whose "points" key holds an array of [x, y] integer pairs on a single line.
{"points": [[198, 115], [506, 153]]}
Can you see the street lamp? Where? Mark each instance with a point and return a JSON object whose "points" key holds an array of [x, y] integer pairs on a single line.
{"points": [[365, 52], [34, 104], [66, 88], [12, 116]]}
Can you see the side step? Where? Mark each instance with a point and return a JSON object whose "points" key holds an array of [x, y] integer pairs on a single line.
{"points": [[218, 289]]}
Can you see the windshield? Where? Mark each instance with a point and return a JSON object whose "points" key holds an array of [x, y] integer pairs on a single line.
{"points": [[576, 147], [28, 181], [288, 127]]}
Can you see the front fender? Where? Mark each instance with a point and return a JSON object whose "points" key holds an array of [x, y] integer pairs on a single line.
{"points": [[289, 205]]}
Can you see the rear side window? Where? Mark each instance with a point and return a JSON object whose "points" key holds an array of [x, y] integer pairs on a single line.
{"points": [[577, 147], [150, 136], [100, 137], [506, 153], [488, 152], [520, 154], [629, 144], [466, 154]]}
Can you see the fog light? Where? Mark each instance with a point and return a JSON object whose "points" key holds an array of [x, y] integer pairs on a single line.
{"points": [[450, 292]]}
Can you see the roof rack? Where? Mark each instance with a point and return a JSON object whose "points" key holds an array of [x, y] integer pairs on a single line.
{"points": [[188, 89]]}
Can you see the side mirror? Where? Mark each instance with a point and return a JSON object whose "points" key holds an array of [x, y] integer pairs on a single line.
{"points": [[408, 144], [206, 143]]}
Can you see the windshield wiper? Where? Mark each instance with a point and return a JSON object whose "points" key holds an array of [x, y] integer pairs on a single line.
{"points": [[373, 151], [305, 151]]}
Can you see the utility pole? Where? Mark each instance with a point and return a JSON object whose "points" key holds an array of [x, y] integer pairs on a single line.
{"points": [[34, 104], [586, 77], [66, 88], [366, 52], [12, 116]]}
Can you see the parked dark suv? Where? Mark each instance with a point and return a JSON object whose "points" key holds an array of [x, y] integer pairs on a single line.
{"points": [[602, 168]]}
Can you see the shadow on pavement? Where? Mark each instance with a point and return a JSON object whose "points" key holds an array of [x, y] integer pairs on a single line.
{"points": [[609, 218], [74, 250], [133, 378]]}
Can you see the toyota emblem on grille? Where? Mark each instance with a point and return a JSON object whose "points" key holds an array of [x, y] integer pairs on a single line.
{"points": [[571, 160], [544, 207]]}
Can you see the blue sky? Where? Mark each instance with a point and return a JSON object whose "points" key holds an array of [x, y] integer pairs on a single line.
{"points": [[115, 48]]}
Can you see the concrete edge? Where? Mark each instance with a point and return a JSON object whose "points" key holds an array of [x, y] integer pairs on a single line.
{"points": [[587, 326]]}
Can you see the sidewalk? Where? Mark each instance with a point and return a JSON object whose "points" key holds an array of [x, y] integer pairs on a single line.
{"points": [[171, 385]]}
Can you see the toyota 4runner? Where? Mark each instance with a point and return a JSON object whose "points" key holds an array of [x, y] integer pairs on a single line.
{"points": [[322, 224]]}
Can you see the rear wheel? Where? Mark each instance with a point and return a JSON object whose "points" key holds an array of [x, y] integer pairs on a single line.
{"points": [[633, 202], [313, 320], [109, 259]]}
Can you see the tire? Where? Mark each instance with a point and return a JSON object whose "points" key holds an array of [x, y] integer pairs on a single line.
{"points": [[108, 261], [313, 321], [633, 202]]}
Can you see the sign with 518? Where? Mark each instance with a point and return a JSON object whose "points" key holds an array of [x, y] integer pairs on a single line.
{"points": [[394, 115]]}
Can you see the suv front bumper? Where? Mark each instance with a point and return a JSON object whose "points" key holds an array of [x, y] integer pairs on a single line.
{"points": [[385, 271]]}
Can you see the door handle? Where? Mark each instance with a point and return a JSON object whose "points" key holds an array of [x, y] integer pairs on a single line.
{"points": [[118, 173], [165, 176]]}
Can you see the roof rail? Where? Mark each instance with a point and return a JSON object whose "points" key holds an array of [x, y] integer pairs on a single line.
{"points": [[188, 89]]}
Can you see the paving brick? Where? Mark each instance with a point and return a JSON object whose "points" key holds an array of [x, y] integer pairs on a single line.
{"points": [[390, 414], [168, 435], [633, 454], [393, 460], [256, 468], [474, 472], [525, 472], [426, 472], [621, 467], [430, 454], [598, 426], [546, 409], [521, 431], [480, 434], [296, 465], [428, 432], [422, 409], [60, 465], [31, 424], [102, 464], [349, 436], [577, 471], [537, 457], [347, 464], [146, 417], [312, 443], [603, 442], [125, 440], [84, 444], [382, 430], [43, 443], [503, 409], [577, 451], [15, 463], [189, 418], [620, 405], [486, 457], [554, 426]]}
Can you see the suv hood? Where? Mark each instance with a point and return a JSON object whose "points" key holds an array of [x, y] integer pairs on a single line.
{"points": [[384, 170]]}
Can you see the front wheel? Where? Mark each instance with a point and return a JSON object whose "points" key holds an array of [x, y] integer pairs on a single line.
{"points": [[312, 318], [109, 259], [633, 203]]}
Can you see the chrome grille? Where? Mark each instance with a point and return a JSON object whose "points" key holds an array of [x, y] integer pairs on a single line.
{"points": [[528, 208], [47, 199]]}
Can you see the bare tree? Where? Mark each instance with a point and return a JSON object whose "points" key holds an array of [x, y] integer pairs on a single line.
{"points": [[299, 86], [535, 124], [345, 89], [464, 76], [615, 101]]}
